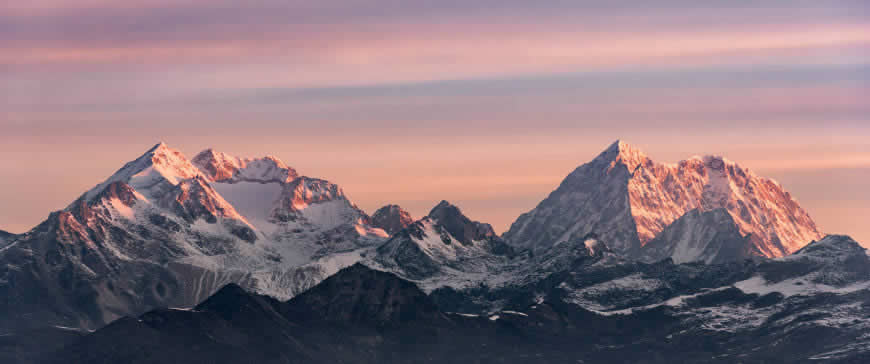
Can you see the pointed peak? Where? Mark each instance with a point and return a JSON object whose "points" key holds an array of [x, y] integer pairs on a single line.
{"points": [[626, 148], [232, 300], [160, 149], [618, 145], [442, 206], [620, 151], [621, 146], [161, 152], [159, 145], [831, 244], [392, 219], [458, 225], [444, 210], [158, 164], [216, 165], [392, 209], [359, 294]]}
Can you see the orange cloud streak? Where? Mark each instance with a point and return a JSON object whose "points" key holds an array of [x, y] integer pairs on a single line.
{"points": [[331, 57]]}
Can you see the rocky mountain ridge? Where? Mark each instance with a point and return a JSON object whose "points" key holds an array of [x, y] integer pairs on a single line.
{"points": [[163, 232], [656, 313], [622, 235], [628, 199], [392, 219], [443, 245]]}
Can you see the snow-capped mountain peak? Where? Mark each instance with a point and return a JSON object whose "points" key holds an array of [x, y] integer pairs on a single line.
{"points": [[222, 167], [457, 224], [832, 245], [162, 226], [167, 184], [216, 165], [270, 194], [629, 200], [158, 164], [445, 240], [622, 152], [305, 191]]}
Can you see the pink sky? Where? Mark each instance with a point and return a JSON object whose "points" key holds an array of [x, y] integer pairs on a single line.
{"points": [[488, 104]]}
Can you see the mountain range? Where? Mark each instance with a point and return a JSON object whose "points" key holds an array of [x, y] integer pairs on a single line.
{"points": [[221, 258]]}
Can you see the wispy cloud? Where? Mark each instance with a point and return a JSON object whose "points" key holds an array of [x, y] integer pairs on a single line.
{"points": [[498, 98]]}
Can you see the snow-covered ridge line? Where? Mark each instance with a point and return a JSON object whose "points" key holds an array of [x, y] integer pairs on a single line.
{"points": [[672, 302], [191, 228], [627, 199], [222, 167], [795, 287], [182, 230], [158, 164]]}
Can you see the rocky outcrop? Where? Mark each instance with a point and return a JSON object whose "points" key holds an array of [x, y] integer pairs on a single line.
{"points": [[445, 240], [222, 167], [391, 218]]}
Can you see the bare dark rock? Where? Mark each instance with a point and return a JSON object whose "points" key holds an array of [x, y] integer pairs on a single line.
{"points": [[391, 218]]}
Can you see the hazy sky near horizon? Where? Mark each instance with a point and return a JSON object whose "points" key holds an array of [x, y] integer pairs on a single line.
{"points": [[488, 104]]}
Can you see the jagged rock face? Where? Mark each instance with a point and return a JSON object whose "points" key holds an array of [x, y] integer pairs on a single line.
{"points": [[822, 288], [628, 199], [592, 199], [701, 236], [283, 206], [96, 261], [303, 192], [153, 173], [195, 199], [445, 239], [216, 165], [835, 260], [162, 233], [221, 167], [459, 226], [159, 232], [392, 219], [771, 311], [759, 206], [831, 247]]}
